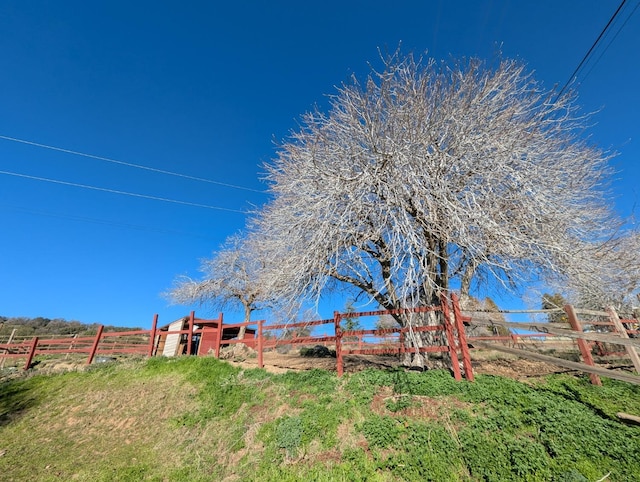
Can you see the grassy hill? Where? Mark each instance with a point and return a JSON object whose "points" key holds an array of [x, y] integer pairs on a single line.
{"points": [[200, 419]]}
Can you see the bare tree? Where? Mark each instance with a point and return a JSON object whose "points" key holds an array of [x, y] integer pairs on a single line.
{"points": [[385, 322], [232, 278], [608, 274], [485, 311], [429, 175]]}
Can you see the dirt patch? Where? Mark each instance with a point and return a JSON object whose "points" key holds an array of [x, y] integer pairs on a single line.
{"points": [[505, 366], [419, 407], [515, 368], [275, 362], [327, 457]]}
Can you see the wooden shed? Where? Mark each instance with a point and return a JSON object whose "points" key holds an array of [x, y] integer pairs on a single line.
{"points": [[172, 339]]}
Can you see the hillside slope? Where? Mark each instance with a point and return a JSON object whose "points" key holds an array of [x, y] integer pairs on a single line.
{"points": [[193, 419], [23, 327]]}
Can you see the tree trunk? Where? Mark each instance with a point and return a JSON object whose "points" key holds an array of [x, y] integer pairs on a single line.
{"points": [[420, 339], [247, 318]]}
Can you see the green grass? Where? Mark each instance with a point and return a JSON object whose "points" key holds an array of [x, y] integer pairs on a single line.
{"points": [[192, 419]]}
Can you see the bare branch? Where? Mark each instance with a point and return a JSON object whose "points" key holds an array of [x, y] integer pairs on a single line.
{"points": [[429, 175]]}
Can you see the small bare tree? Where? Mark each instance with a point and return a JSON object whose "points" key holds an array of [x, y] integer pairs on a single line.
{"points": [[430, 175], [608, 274], [232, 278]]}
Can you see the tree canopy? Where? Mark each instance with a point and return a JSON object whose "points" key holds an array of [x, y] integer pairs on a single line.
{"points": [[430, 175], [231, 278]]}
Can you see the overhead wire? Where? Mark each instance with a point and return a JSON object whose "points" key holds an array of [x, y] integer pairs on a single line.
{"points": [[611, 41], [129, 164], [125, 193], [588, 54]]}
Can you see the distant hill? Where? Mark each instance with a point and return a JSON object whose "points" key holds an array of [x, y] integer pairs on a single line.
{"points": [[44, 326]]}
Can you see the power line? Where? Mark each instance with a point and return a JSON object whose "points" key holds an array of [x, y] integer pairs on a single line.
{"points": [[129, 164], [584, 59], [611, 41], [124, 193]]}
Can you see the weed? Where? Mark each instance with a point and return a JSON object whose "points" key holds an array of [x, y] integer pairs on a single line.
{"points": [[317, 351], [288, 435], [399, 403], [381, 431], [312, 382]]}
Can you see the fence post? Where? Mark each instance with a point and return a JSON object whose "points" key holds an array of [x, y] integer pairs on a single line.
{"points": [[219, 336], [585, 351], [32, 352], [13, 332], [338, 332], [71, 346], [190, 334], [633, 354], [260, 356], [94, 347], [448, 330], [462, 338], [152, 335]]}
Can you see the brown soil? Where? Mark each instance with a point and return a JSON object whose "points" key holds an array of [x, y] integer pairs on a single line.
{"points": [[516, 368], [504, 365], [275, 362], [431, 408]]}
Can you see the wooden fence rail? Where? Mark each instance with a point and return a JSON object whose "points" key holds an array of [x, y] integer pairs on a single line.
{"points": [[127, 342], [619, 335], [452, 335]]}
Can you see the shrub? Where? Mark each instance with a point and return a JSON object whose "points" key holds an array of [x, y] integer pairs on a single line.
{"points": [[317, 351]]}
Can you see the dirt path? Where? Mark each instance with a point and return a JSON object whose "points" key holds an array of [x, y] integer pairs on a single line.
{"points": [[507, 367], [275, 362]]}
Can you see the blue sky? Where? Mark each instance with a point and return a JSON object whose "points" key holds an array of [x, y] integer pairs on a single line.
{"points": [[207, 89]]}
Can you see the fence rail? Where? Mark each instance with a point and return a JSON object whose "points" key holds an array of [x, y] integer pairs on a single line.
{"points": [[451, 337]]}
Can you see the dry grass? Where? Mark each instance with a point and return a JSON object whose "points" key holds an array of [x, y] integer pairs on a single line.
{"points": [[84, 420]]}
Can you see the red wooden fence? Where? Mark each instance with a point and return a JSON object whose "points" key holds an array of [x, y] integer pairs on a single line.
{"points": [[453, 338]]}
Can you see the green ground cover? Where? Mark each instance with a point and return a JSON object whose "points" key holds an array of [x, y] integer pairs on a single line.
{"points": [[199, 419]]}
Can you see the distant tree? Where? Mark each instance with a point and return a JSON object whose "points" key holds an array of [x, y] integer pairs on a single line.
{"points": [[386, 321], [554, 301], [350, 323], [232, 278], [484, 310], [607, 276], [298, 332], [20, 320], [27, 327], [495, 315], [38, 322], [62, 327], [429, 173]]}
